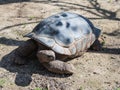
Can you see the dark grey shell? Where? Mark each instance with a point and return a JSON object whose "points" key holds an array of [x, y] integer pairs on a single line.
{"points": [[65, 33]]}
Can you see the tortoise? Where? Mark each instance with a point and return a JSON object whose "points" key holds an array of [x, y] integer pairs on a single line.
{"points": [[58, 38]]}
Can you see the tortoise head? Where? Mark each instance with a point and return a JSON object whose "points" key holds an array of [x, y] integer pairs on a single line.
{"points": [[46, 56]]}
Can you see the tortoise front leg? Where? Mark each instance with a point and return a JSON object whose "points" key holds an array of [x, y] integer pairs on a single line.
{"points": [[24, 51], [59, 67], [47, 58]]}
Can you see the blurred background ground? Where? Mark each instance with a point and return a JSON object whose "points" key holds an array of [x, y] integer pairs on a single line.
{"points": [[95, 70]]}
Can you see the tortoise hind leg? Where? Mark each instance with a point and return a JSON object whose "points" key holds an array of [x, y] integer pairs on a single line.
{"points": [[97, 45], [23, 51], [47, 58]]}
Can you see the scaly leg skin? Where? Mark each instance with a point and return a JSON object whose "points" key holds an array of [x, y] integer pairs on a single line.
{"points": [[23, 51], [47, 58], [97, 45]]}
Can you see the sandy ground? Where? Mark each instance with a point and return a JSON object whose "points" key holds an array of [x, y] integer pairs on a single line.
{"points": [[95, 70]]}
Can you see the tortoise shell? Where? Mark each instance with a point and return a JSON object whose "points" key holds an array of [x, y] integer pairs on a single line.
{"points": [[65, 33]]}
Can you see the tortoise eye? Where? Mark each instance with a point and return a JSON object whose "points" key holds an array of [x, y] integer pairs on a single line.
{"points": [[51, 57]]}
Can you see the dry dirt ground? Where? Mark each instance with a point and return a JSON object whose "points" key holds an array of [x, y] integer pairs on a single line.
{"points": [[95, 70]]}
